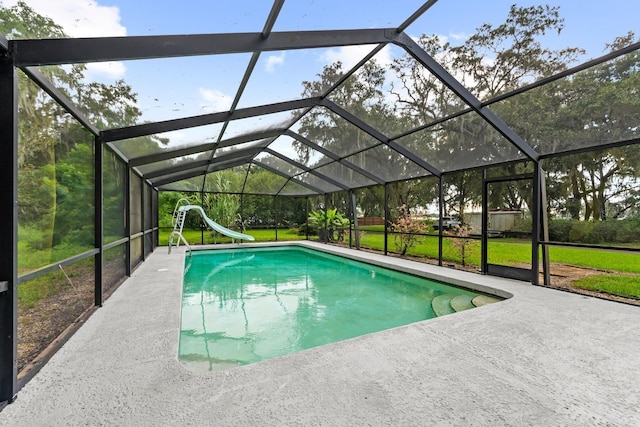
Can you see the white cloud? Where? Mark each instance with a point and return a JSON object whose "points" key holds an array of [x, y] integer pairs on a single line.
{"points": [[273, 61], [350, 55], [458, 36], [84, 18], [79, 18], [110, 70], [215, 100]]}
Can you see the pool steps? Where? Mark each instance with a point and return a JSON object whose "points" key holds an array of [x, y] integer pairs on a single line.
{"points": [[448, 304]]}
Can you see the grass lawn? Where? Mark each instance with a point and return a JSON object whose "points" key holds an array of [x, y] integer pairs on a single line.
{"points": [[514, 251], [617, 285]]}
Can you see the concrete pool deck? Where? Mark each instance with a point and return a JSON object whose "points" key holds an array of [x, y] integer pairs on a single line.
{"points": [[542, 357]]}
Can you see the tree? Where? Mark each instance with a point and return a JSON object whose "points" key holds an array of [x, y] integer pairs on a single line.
{"points": [[516, 58], [600, 105], [55, 153]]}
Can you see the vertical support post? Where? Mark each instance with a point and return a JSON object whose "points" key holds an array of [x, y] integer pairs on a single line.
{"points": [[386, 218], [127, 218], [535, 225], [307, 219], [440, 213], [324, 225], [355, 220], [156, 217], [275, 214], [351, 219], [98, 223], [8, 230], [241, 225], [545, 228], [484, 242], [142, 218], [203, 207]]}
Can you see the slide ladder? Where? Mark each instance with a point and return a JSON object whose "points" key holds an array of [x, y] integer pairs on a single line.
{"points": [[179, 215]]}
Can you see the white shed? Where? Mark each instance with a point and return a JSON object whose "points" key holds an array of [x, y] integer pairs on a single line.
{"points": [[498, 220]]}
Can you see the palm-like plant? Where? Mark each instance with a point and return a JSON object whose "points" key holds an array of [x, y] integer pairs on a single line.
{"points": [[328, 223]]}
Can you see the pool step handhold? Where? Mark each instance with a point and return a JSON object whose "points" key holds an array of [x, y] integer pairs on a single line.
{"points": [[484, 300], [442, 305], [462, 302]]}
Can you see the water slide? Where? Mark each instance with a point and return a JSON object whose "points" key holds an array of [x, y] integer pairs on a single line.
{"points": [[179, 215], [214, 225]]}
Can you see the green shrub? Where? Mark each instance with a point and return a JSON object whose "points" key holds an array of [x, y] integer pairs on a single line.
{"points": [[560, 229], [578, 231], [602, 232], [611, 231], [629, 230]]}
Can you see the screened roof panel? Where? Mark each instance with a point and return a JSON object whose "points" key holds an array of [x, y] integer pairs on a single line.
{"points": [[380, 93], [278, 164], [188, 184], [317, 182], [261, 123], [397, 120], [173, 163], [328, 130], [168, 141], [239, 148], [226, 181], [262, 181], [334, 14], [586, 109], [584, 25], [293, 188], [460, 143], [164, 96], [387, 164], [287, 75], [299, 151], [345, 175], [148, 17], [228, 162]]}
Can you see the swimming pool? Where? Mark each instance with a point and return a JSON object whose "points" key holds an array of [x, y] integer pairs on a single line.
{"points": [[241, 306]]}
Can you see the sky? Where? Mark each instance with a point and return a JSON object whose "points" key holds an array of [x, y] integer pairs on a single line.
{"points": [[180, 87]]}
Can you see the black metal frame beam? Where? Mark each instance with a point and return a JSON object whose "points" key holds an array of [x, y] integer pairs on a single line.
{"points": [[190, 174], [178, 168], [145, 129], [206, 169], [171, 154], [247, 154], [417, 14], [101, 49]]}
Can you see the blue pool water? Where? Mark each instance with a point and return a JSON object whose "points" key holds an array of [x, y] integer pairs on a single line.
{"points": [[241, 306]]}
